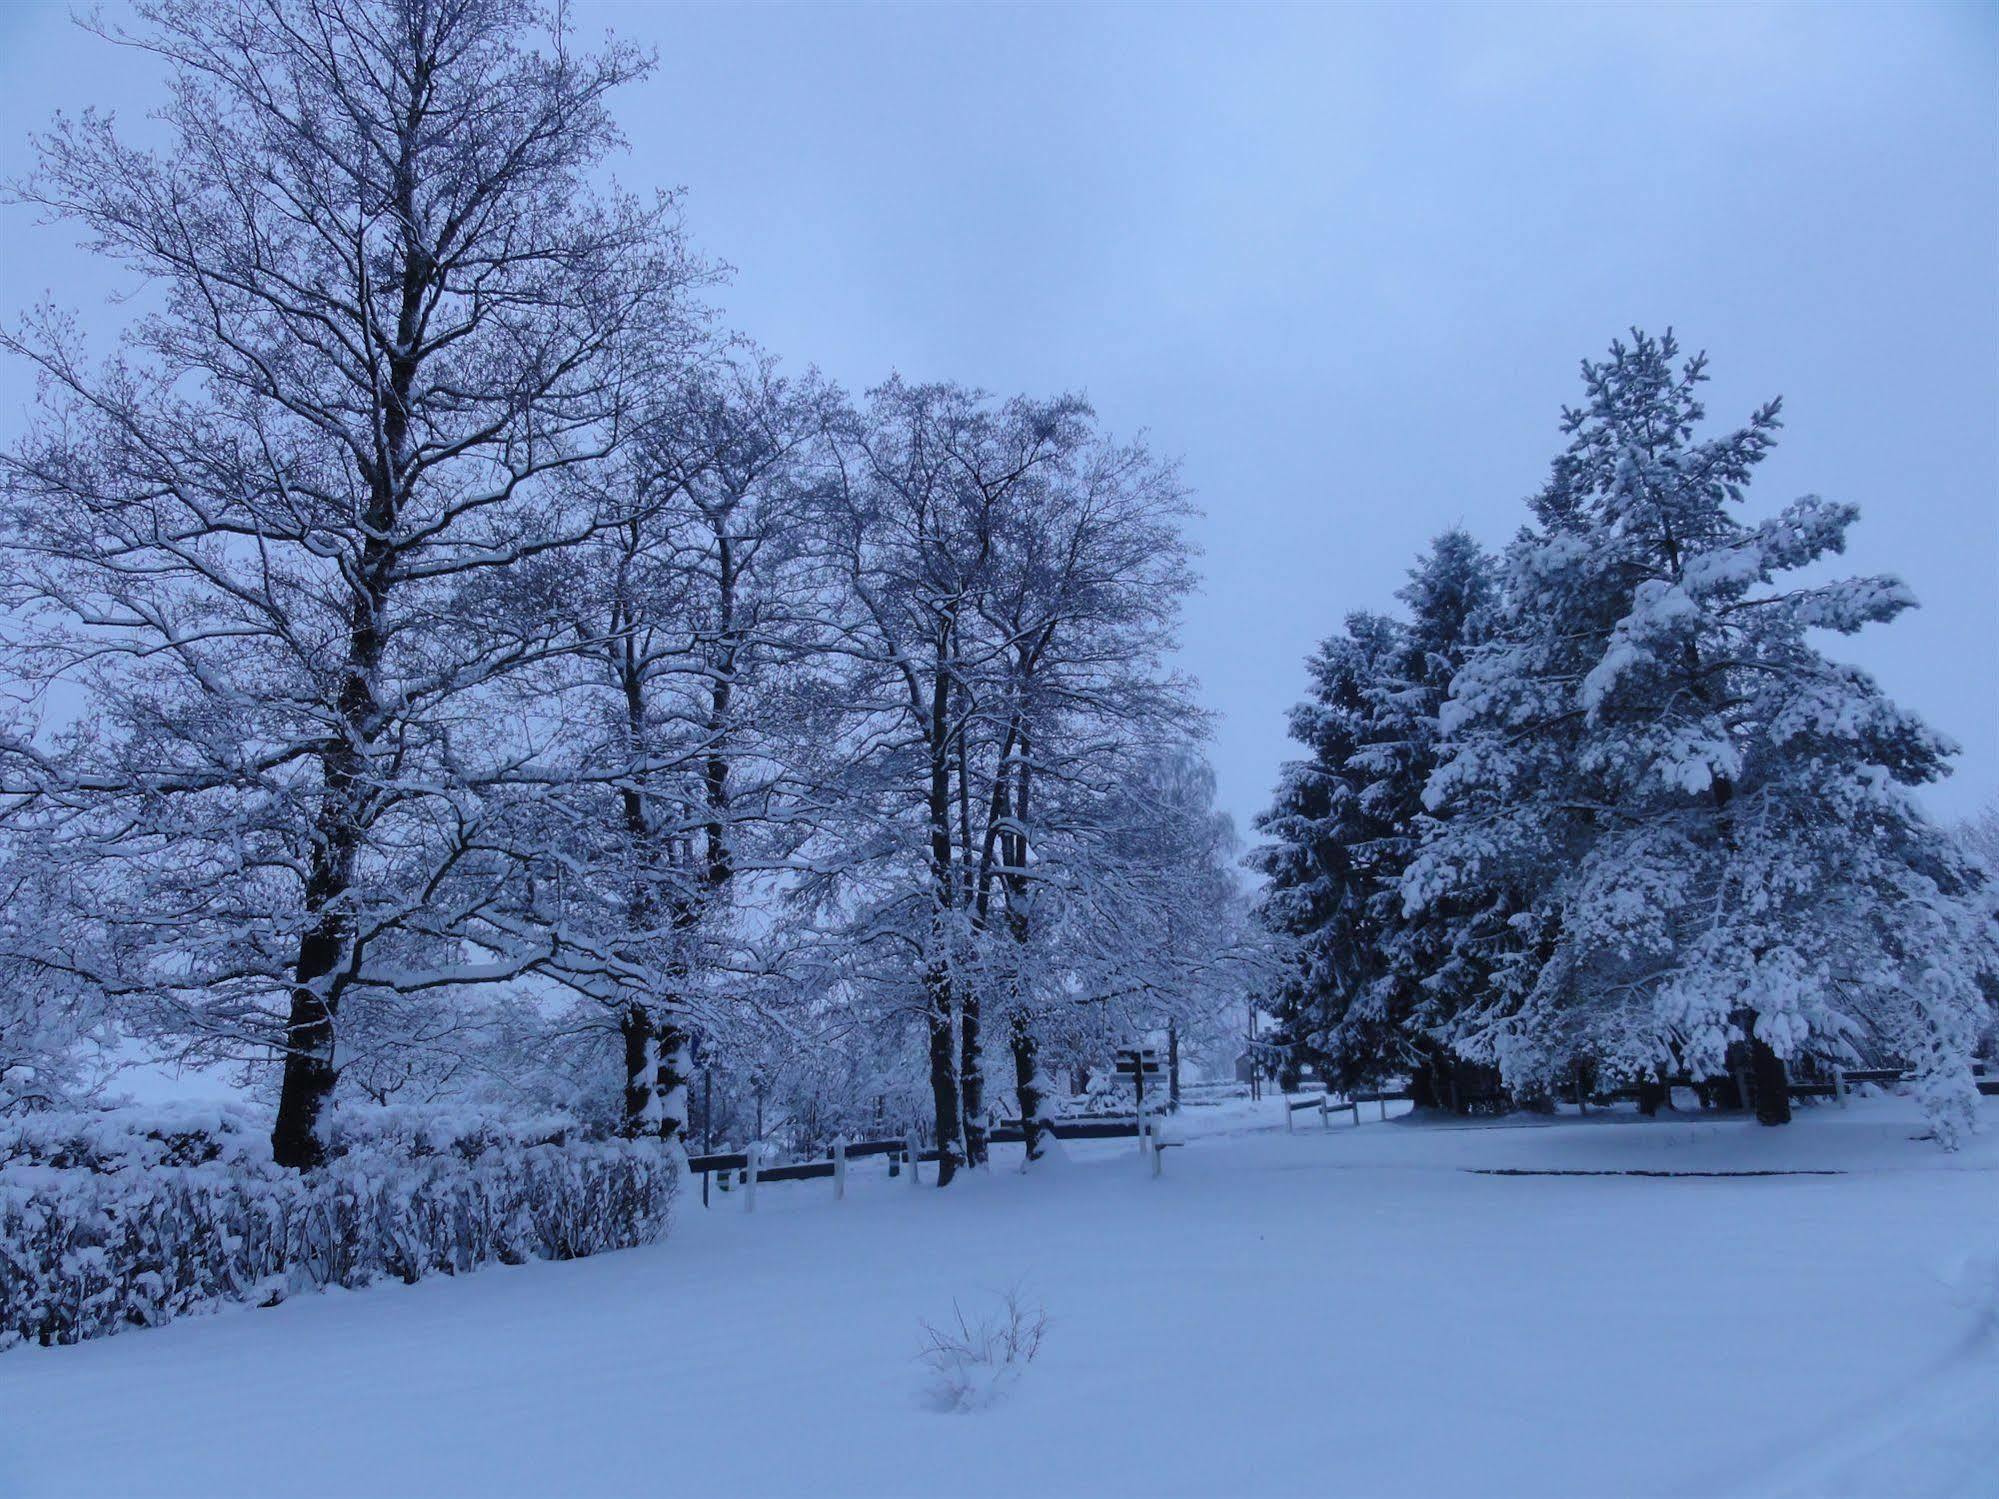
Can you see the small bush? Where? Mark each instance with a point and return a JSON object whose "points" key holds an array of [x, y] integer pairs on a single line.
{"points": [[974, 1360], [110, 1223]]}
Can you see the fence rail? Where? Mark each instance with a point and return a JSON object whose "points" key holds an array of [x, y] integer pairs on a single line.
{"points": [[738, 1167], [742, 1169]]}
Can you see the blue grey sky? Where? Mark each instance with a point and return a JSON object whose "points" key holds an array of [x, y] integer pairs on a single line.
{"points": [[1342, 260]]}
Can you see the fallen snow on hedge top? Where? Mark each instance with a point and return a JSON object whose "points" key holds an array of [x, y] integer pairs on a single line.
{"points": [[123, 1139]]}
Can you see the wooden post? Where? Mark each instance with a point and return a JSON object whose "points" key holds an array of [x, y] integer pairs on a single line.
{"points": [[1285, 1099], [1381, 1101], [913, 1175], [707, 1125], [1839, 1084], [1173, 1065], [754, 1155], [1255, 1062], [839, 1167]]}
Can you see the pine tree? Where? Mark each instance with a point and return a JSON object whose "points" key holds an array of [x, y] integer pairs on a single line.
{"points": [[1428, 961], [1321, 889], [1371, 985], [1706, 824]]}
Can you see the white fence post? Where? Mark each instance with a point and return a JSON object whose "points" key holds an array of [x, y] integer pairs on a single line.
{"points": [[1839, 1083], [839, 1167], [1285, 1099], [1325, 1113], [911, 1139], [753, 1155]]}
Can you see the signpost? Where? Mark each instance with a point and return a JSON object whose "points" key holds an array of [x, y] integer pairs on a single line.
{"points": [[1138, 1063]]}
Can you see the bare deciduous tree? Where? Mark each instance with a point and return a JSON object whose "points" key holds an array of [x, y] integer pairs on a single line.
{"points": [[393, 312]]}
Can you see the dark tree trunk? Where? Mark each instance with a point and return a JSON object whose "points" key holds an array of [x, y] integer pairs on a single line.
{"points": [[1651, 1096], [1027, 1087], [938, 988], [1423, 1087], [971, 1059], [636, 1028], [1767, 1075], [670, 1081], [309, 1072], [943, 1074], [972, 1081]]}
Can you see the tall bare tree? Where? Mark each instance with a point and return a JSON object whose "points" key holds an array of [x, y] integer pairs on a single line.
{"points": [[394, 309], [694, 609]]}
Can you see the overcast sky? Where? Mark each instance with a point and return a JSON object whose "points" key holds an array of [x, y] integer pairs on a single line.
{"points": [[1343, 261]]}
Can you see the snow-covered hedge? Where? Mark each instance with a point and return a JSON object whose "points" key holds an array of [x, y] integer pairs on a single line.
{"points": [[118, 1219]]}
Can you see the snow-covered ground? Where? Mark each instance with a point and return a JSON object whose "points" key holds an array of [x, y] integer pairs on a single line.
{"points": [[1354, 1311]]}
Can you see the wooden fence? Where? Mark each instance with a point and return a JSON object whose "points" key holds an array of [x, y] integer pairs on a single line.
{"points": [[1347, 1103], [747, 1169]]}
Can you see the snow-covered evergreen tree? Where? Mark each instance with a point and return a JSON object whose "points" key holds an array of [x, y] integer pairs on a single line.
{"points": [[1707, 824], [1371, 983], [1430, 961], [1321, 889]]}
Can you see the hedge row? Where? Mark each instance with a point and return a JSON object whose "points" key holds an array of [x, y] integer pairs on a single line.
{"points": [[91, 1249]]}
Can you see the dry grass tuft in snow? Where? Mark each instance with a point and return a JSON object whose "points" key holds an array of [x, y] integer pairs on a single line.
{"points": [[973, 1360]]}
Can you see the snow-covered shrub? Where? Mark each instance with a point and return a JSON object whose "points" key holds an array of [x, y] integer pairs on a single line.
{"points": [[99, 1232], [418, 1130], [972, 1360]]}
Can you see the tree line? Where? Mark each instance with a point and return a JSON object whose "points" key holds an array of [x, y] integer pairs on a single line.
{"points": [[1599, 809], [449, 663]]}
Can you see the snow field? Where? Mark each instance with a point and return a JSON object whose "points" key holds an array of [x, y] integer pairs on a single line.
{"points": [[1349, 1311]]}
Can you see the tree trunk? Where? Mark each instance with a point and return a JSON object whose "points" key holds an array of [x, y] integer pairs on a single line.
{"points": [[1423, 1087], [1651, 1096], [1028, 1090], [309, 1072], [938, 987], [641, 1067], [972, 1081], [943, 1074], [674, 1071], [1772, 1085]]}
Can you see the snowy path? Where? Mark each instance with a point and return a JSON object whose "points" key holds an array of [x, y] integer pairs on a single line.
{"points": [[1345, 1312]]}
